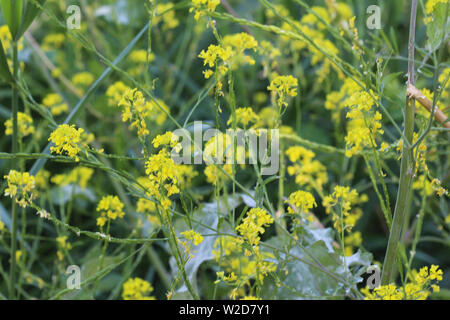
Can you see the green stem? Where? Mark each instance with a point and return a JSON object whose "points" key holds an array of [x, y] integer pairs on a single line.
{"points": [[15, 149], [406, 167]]}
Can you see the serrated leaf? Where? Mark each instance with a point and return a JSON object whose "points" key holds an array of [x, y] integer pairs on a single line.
{"points": [[302, 281], [439, 26]]}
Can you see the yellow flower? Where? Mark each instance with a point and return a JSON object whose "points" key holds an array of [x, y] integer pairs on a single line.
{"points": [[21, 187], [429, 7], [83, 79], [417, 289], [167, 139], [252, 225], [5, 37], [214, 174], [55, 103], [302, 200], [212, 55], [166, 15], [67, 139], [137, 289], [53, 41], [63, 245], [193, 236], [19, 255], [115, 92], [346, 198], [42, 178], [79, 175], [364, 123], [283, 86], [140, 56], [244, 116], [162, 174], [24, 125], [307, 171], [201, 7], [110, 207], [208, 73]]}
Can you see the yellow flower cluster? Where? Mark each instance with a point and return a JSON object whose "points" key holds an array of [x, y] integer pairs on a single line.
{"points": [[336, 100], [346, 198], [195, 237], [67, 139], [301, 200], [110, 208], [314, 29], [364, 123], [283, 86], [63, 246], [79, 175], [252, 225], [230, 54], [5, 37], [244, 116], [417, 289], [137, 289], [241, 268], [83, 80], [115, 92], [166, 139], [24, 125], [214, 174], [136, 109], [139, 60], [444, 80], [163, 175], [166, 15], [53, 41], [429, 7], [55, 103], [42, 178], [307, 171], [201, 7], [21, 187]]}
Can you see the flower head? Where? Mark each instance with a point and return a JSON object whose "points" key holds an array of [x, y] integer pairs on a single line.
{"points": [[67, 139], [110, 207], [24, 125], [137, 289], [284, 86], [21, 187]]}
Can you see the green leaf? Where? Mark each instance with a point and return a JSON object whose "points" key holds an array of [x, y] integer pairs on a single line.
{"points": [[439, 26], [203, 251], [12, 11], [30, 13], [299, 280]]}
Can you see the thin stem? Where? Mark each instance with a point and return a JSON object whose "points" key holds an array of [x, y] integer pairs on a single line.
{"points": [[406, 166], [15, 149]]}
